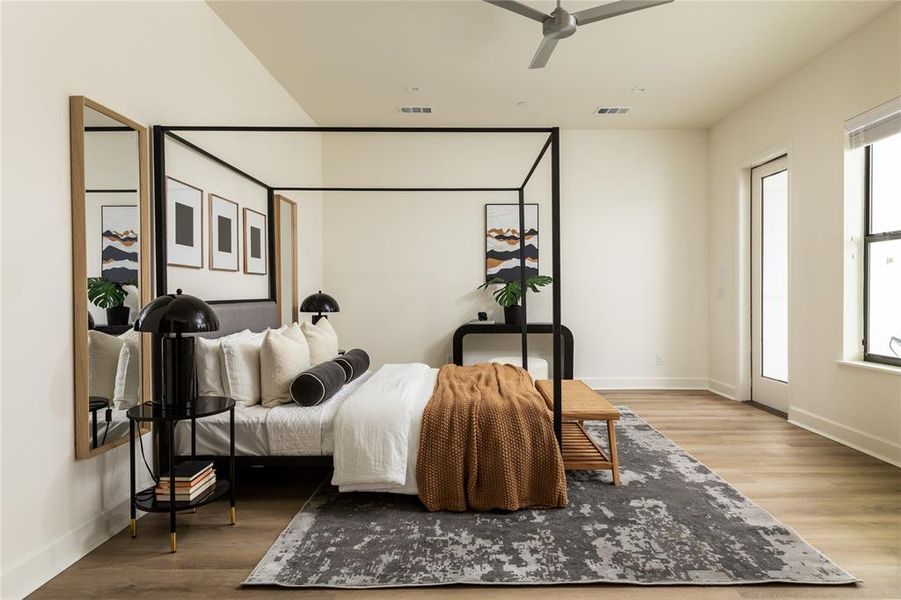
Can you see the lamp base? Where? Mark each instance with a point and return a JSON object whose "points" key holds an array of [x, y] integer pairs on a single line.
{"points": [[179, 378]]}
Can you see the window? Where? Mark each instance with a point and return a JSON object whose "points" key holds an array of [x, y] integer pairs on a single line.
{"points": [[882, 251]]}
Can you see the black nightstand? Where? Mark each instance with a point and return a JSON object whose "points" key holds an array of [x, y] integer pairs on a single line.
{"points": [[95, 404], [159, 415]]}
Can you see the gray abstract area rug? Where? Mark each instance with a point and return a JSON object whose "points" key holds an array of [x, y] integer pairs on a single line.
{"points": [[672, 521]]}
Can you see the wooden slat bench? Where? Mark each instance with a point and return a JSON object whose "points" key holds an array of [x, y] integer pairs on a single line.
{"points": [[581, 403]]}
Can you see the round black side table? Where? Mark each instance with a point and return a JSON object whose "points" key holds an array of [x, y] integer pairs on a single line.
{"points": [[161, 415]]}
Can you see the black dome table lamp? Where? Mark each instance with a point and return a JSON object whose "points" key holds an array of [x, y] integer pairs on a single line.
{"points": [[169, 318], [319, 303]]}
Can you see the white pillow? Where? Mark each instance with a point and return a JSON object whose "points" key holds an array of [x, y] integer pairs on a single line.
{"points": [[128, 374], [241, 365], [322, 339], [103, 362], [208, 363], [293, 332], [281, 360]]}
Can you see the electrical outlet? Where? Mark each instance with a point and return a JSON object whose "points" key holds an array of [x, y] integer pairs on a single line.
{"points": [[659, 360]]}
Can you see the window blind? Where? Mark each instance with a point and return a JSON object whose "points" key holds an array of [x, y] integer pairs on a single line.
{"points": [[875, 124]]}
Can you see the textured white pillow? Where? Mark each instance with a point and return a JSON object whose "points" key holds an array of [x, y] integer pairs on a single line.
{"points": [[322, 339], [293, 332], [281, 360], [241, 365], [103, 362], [208, 363], [128, 374]]}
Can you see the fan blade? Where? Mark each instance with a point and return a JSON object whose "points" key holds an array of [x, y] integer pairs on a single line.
{"points": [[614, 9], [520, 9], [544, 53]]}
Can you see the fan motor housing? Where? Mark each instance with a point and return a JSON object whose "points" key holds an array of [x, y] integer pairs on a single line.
{"points": [[560, 25]]}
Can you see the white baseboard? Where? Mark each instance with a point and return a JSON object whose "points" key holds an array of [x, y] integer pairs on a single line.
{"points": [[41, 565], [726, 390], [646, 383], [877, 447]]}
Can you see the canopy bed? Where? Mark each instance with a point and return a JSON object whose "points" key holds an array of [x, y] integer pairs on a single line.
{"points": [[286, 435]]}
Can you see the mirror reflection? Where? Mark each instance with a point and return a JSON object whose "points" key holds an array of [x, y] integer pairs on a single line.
{"points": [[112, 269]]}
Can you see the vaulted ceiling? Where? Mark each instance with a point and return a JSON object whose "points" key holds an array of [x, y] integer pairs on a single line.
{"points": [[354, 62]]}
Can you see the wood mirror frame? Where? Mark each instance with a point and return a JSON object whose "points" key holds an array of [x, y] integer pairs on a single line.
{"points": [[283, 263], [77, 106]]}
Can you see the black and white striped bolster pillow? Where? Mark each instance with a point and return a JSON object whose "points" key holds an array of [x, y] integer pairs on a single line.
{"points": [[354, 362], [315, 386]]}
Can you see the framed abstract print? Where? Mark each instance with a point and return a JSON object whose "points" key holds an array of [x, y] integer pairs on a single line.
{"points": [[502, 241], [184, 224], [255, 243], [223, 234]]}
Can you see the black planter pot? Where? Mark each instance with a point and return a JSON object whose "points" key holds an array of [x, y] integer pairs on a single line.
{"points": [[118, 315], [513, 315]]}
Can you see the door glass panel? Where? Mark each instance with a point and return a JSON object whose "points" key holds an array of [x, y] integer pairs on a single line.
{"points": [[884, 321], [774, 276]]}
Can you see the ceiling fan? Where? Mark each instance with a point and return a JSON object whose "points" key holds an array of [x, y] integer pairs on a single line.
{"points": [[562, 24]]}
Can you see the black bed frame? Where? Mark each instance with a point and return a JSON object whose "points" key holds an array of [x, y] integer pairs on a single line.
{"points": [[161, 132]]}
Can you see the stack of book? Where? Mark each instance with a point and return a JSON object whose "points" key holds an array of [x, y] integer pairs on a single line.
{"points": [[193, 478]]}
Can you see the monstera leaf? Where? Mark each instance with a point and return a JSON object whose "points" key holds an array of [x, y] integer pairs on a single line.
{"points": [[105, 294], [510, 291]]}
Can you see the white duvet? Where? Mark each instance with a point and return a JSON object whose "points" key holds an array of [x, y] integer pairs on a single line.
{"points": [[376, 430]]}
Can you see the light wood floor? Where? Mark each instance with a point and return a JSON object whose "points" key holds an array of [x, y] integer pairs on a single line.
{"points": [[845, 503]]}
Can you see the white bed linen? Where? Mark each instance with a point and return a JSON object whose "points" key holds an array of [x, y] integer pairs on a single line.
{"points": [[308, 428], [251, 433], [377, 430], [287, 430]]}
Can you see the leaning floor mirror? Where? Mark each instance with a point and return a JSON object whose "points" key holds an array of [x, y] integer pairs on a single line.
{"points": [[111, 271]]}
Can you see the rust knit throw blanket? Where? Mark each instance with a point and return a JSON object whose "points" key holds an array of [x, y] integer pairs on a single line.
{"points": [[487, 442]]}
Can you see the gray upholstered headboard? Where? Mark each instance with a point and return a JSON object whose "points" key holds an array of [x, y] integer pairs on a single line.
{"points": [[255, 316]]}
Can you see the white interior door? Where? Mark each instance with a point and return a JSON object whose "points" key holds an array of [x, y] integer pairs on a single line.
{"points": [[769, 284]]}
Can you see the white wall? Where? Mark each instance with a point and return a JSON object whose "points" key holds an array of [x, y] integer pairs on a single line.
{"points": [[189, 167], [54, 508], [803, 115], [290, 159], [411, 261], [633, 245]]}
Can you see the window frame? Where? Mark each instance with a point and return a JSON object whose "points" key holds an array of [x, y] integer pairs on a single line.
{"points": [[868, 239]]}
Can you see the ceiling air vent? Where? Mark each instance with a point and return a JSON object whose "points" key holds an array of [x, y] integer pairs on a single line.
{"points": [[613, 110], [416, 110]]}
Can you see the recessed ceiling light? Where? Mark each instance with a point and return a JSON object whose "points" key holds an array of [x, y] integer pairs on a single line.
{"points": [[639, 89]]}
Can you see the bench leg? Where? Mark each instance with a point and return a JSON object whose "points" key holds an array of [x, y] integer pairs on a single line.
{"points": [[611, 439]]}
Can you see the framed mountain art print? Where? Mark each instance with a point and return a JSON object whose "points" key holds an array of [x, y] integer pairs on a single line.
{"points": [[502, 241]]}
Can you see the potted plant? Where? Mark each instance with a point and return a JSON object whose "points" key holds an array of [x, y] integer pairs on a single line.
{"points": [[110, 295], [510, 292]]}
